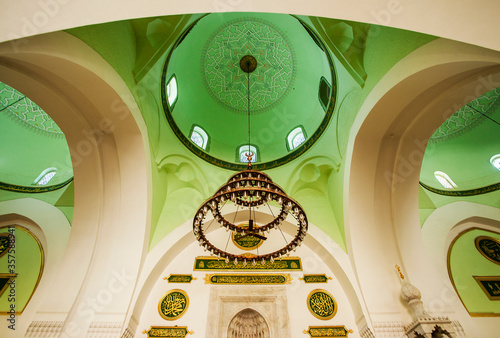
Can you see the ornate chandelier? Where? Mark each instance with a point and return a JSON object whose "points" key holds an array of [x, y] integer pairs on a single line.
{"points": [[248, 190]]}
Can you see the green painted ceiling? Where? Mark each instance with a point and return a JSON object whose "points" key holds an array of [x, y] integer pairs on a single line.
{"points": [[31, 142], [213, 90], [138, 50], [464, 144]]}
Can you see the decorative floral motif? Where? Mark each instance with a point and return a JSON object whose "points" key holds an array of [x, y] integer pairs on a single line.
{"points": [[26, 111], [275, 65], [467, 117]]}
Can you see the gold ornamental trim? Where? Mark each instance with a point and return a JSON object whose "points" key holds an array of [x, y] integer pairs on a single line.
{"points": [[246, 279], [327, 331], [322, 304], [173, 304], [167, 331]]}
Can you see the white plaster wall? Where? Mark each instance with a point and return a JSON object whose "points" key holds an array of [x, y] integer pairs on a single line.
{"points": [[199, 295]]}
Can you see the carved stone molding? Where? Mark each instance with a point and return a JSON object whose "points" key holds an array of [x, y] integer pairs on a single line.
{"points": [[104, 329], [269, 301], [388, 329], [425, 326], [46, 329], [128, 333], [248, 323]]}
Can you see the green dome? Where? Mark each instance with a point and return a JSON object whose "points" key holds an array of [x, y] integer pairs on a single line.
{"points": [[292, 86]]}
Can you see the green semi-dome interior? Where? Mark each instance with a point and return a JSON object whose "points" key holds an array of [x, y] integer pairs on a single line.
{"points": [[35, 160], [463, 148]]}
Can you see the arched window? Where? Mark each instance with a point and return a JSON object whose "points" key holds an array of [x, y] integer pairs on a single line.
{"points": [[45, 177], [172, 91], [295, 138], [445, 180], [199, 137], [324, 93], [243, 150], [495, 161]]}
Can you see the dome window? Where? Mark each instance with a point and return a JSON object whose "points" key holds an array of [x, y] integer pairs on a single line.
{"points": [[445, 180], [199, 137], [324, 93], [295, 138], [45, 177], [495, 161], [172, 91], [244, 150]]}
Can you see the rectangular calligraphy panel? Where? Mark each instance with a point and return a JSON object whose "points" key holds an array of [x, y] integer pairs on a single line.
{"points": [[256, 279], [490, 286], [213, 264]]}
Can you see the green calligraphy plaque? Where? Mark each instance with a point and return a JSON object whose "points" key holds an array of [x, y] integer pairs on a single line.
{"points": [[490, 286], [315, 278], [4, 243], [489, 247], [327, 331], [321, 304], [167, 331], [173, 304], [180, 278], [245, 242], [256, 279], [214, 264], [5, 280]]}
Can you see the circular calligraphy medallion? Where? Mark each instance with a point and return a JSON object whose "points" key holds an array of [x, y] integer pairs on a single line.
{"points": [[270, 76], [247, 242], [489, 247], [321, 304], [173, 304]]}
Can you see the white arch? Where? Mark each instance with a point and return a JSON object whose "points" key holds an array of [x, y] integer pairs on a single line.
{"points": [[110, 159], [52, 229], [439, 232], [446, 20], [386, 148]]}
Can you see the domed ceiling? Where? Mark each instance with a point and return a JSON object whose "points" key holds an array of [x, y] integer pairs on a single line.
{"points": [[292, 87], [35, 155], [463, 146]]}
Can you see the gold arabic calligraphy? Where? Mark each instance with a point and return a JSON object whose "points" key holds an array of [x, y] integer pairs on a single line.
{"points": [[173, 304], [322, 304]]}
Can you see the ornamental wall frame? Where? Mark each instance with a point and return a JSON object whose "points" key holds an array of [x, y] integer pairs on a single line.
{"points": [[450, 276]]}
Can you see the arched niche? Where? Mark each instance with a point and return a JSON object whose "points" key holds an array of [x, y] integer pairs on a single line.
{"points": [[51, 228], [471, 272], [439, 232], [102, 125], [386, 144], [248, 323]]}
